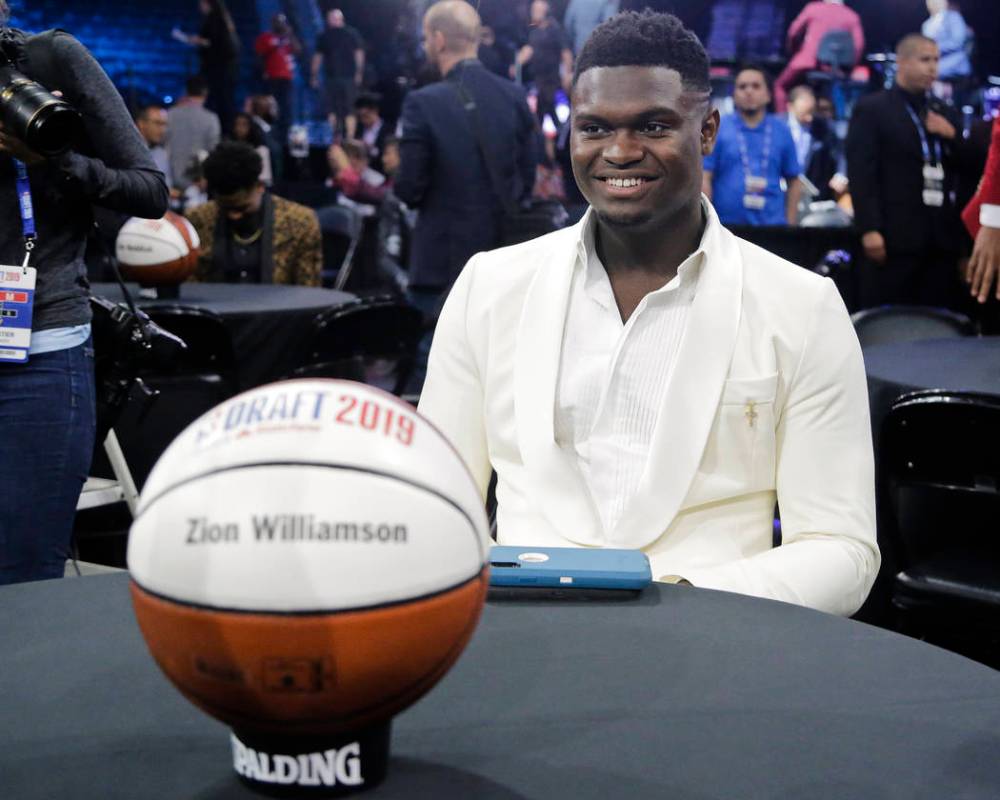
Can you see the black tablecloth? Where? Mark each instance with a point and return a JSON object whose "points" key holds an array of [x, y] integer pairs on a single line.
{"points": [[685, 694], [268, 323], [965, 364]]}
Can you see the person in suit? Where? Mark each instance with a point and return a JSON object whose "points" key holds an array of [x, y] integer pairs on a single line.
{"points": [[816, 144], [442, 171], [805, 34], [647, 380], [372, 129], [982, 219], [247, 234], [904, 149]]}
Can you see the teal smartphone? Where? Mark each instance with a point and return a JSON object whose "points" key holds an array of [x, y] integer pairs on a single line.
{"points": [[568, 568]]}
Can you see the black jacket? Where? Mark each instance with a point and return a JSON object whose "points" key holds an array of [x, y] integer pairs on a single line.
{"points": [[885, 167], [443, 173]]}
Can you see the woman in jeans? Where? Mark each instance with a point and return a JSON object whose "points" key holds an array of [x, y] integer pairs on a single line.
{"points": [[47, 418]]}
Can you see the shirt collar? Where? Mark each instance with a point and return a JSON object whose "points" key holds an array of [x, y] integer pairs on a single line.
{"points": [[596, 278]]}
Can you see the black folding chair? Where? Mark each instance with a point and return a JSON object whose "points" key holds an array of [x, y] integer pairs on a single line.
{"points": [[888, 324], [372, 340], [341, 229], [203, 376], [940, 463]]}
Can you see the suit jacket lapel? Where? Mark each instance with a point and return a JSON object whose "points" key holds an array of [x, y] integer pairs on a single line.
{"points": [[692, 396], [560, 491], [267, 240]]}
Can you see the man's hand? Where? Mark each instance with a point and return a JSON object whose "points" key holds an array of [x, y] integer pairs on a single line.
{"points": [[940, 126], [874, 244], [984, 264]]}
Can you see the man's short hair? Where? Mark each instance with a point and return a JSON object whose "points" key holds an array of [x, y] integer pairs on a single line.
{"points": [[196, 86], [647, 39], [232, 167], [457, 20], [908, 44], [369, 100], [800, 91], [144, 111]]}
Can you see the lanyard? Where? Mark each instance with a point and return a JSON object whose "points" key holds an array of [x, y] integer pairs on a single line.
{"points": [[27, 210], [745, 153], [923, 138]]}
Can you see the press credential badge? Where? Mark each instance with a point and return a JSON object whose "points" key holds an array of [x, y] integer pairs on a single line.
{"points": [[17, 293]]}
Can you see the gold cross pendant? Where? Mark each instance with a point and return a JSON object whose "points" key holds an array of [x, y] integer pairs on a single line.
{"points": [[751, 413]]}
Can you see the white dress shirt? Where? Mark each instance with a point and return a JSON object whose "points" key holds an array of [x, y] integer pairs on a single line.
{"points": [[612, 375]]}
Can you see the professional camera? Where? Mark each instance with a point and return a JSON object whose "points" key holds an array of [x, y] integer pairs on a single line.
{"points": [[45, 123]]}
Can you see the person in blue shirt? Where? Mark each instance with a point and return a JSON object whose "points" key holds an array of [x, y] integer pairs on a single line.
{"points": [[947, 27], [753, 153]]}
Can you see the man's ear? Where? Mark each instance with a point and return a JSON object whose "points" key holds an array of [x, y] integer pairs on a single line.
{"points": [[709, 131]]}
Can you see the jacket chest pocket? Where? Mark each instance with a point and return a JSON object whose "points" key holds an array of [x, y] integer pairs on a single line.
{"points": [[740, 453]]}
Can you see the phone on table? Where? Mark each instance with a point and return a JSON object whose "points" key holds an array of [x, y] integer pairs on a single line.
{"points": [[566, 571]]}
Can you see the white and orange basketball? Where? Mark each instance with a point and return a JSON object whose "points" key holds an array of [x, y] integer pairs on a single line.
{"points": [[308, 558], [158, 252]]}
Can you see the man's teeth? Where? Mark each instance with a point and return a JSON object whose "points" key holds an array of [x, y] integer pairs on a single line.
{"points": [[625, 183]]}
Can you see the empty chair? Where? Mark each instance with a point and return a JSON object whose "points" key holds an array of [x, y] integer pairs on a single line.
{"points": [[341, 229], [940, 465], [199, 379], [888, 324], [371, 340], [835, 56]]}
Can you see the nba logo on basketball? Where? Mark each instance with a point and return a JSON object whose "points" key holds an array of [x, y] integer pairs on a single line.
{"points": [[334, 767]]}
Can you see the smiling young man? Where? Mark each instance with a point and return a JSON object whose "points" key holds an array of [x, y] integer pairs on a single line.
{"points": [[647, 380]]}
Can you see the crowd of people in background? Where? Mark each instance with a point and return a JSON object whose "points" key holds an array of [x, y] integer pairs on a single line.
{"points": [[812, 136]]}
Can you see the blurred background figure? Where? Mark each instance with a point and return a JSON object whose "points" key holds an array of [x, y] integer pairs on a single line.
{"points": [[946, 26], [192, 131], [218, 51], [806, 35], [582, 16], [754, 157], [816, 145], [549, 62], [277, 50], [371, 128], [340, 58], [904, 149], [152, 123], [244, 130]]}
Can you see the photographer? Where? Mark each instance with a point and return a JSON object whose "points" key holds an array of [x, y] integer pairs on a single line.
{"points": [[47, 403]]}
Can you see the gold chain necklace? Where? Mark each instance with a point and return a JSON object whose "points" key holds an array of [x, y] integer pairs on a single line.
{"points": [[244, 241]]}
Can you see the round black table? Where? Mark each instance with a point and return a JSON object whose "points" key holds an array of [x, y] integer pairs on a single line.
{"points": [[961, 364], [268, 323], [684, 694]]}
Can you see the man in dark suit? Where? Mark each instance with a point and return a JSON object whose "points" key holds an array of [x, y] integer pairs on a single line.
{"points": [[904, 149], [815, 142], [443, 173]]}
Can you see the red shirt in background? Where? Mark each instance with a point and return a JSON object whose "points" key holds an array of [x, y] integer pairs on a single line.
{"points": [[279, 62]]}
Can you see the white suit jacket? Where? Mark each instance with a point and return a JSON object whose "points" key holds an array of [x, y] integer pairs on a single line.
{"points": [[760, 331]]}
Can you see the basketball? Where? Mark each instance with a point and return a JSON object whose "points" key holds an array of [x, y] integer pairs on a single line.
{"points": [[308, 558], [158, 252]]}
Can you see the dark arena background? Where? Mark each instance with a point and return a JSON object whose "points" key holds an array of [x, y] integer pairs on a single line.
{"points": [[133, 42]]}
